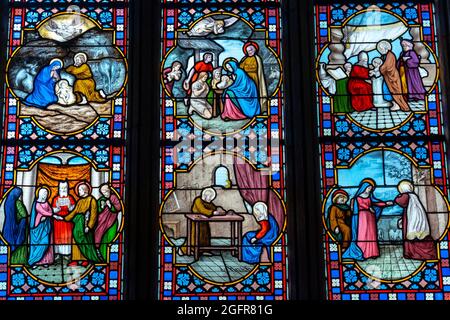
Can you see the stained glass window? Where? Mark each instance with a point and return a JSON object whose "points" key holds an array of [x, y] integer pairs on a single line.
{"points": [[384, 169], [222, 214], [63, 151]]}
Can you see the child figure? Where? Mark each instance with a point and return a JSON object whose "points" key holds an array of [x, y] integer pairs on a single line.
{"points": [[65, 93], [377, 84], [339, 214]]}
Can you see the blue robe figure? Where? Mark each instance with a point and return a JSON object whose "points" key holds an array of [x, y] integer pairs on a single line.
{"points": [[14, 229], [243, 92], [39, 237], [386, 93], [44, 84], [354, 252], [251, 252]]}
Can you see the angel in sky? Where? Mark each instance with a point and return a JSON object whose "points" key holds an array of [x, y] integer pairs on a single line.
{"points": [[210, 25]]}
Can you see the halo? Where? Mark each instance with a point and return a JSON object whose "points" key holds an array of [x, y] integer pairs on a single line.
{"points": [[369, 181], [228, 60], [260, 204], [81, 54], [83, 183], [208, 190], [405, 183], [382, 43], [248, 44], [36, 193], [57, 60], [338, 193]]}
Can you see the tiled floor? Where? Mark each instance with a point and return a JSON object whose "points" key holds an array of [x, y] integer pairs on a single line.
{"points": [[58, 272], [220, 267], [384, 118], [390, 265]]}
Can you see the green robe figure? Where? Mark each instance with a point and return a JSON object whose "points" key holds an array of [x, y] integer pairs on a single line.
{"points": [[109, 207], [341, 100], [84, 218], [20, 255]]}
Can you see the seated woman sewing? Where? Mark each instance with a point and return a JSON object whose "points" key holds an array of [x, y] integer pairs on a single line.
{"points": [[254, 241]]}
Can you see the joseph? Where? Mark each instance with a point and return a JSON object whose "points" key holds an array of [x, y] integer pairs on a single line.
{"points": [[84, 85], [252, 64], [203, 205], [84, 218]]}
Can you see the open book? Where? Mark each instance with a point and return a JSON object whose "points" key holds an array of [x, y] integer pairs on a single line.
{"points": [[337, 74]]}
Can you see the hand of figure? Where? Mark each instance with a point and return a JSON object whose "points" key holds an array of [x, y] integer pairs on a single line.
{"points": [[253, 240], [58, 217], [400, 223], [390, 203], [336, 230], [86, 230], [108, 203], [55, 75], [371, 210]]}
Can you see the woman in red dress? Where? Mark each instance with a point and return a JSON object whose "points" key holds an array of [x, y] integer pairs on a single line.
{"points": [[359, 87]]}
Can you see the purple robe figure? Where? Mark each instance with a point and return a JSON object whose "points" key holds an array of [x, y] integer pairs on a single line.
{"points": [[408, 65]]}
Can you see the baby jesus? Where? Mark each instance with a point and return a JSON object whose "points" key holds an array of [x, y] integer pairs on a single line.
{"points": [[65, 93], [174, 75], [224, 83]]}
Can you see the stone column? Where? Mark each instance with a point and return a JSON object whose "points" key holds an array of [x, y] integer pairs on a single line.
{"points": [[337, 48]]}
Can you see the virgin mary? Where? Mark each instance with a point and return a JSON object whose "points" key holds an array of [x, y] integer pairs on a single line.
{"points": [[254, 241], [43, 93], [241, 100], [41, 246], [366, 211]]}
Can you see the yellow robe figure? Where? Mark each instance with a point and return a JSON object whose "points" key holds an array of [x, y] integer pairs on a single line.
{"points": [[253, 66], [337, 220], [80, 219], [85, 83], [207, 209]]}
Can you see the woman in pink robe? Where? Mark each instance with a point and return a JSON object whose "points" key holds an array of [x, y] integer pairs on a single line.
{"points": [[41, 233], [368, 208]]}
